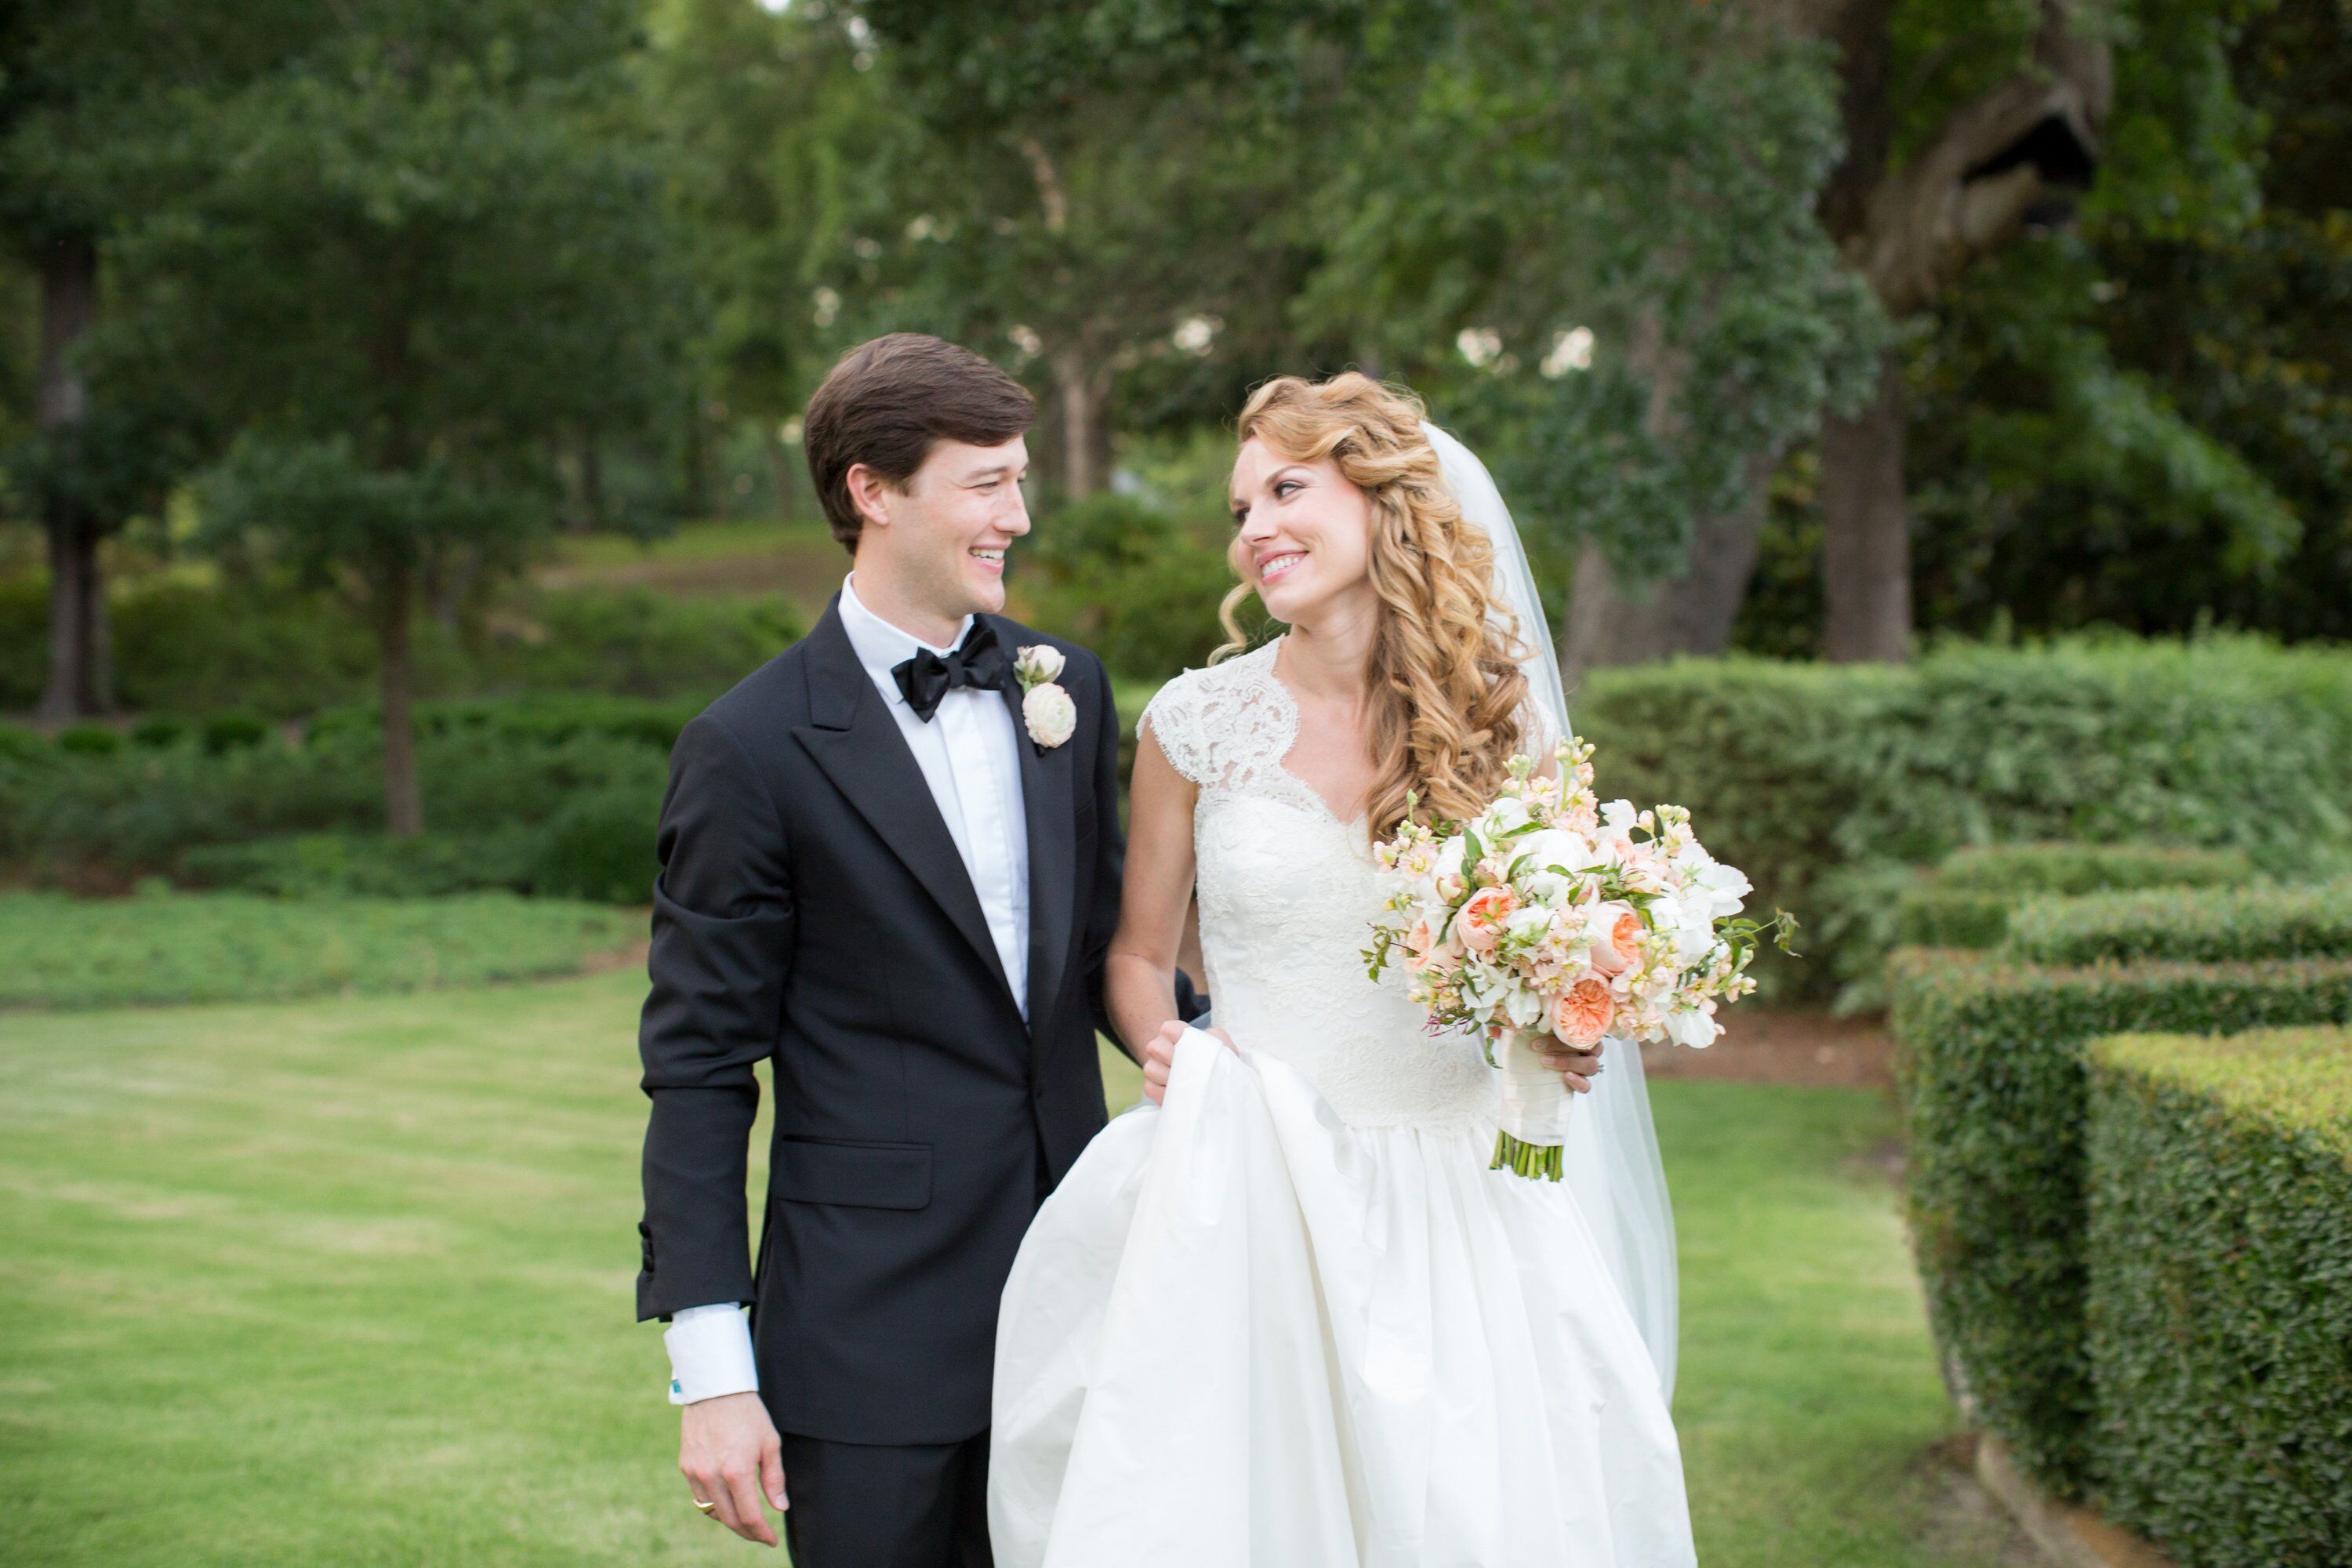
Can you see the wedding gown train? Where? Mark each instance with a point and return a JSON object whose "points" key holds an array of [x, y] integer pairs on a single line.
{"points": [[1292, 1320]]}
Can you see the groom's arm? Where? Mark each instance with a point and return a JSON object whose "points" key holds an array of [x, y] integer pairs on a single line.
{"points": [[722, 928]]}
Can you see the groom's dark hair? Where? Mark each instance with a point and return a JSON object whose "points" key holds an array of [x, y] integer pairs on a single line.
{"points": [[886, 401]]}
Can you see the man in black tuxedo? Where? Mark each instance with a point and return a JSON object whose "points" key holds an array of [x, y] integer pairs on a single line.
{"points": [[891, 878]]}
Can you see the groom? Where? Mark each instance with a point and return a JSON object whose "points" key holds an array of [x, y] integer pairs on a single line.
{"points": [[892, 880]]}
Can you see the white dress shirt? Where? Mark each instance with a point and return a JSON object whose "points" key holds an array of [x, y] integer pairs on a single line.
{"points": [[969, 754]]}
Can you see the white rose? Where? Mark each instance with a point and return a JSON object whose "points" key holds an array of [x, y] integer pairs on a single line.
{"points": [[1037, 664], [1051, 717]]}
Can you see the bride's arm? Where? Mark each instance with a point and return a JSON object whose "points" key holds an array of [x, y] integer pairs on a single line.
{"points": [[1139, 975]]}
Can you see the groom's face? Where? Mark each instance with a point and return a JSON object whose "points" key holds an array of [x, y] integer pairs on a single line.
{"points": [[945, 536]]}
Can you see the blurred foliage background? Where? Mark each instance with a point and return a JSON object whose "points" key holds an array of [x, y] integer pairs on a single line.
{"points": [[372, 364]]}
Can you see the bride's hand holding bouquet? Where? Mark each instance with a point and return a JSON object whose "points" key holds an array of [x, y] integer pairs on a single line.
{"points": [[1550, 914]]}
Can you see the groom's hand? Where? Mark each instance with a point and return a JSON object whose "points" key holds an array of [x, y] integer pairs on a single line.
{"points": [[1576, 1069], [1159, 1055], [729, 1456]]}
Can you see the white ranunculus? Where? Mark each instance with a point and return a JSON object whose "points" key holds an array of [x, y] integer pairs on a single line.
{"points": [[1049, 714], [1037, 664]]}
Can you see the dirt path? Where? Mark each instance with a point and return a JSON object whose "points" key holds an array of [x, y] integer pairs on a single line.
{"points": [[1765, 1047]]}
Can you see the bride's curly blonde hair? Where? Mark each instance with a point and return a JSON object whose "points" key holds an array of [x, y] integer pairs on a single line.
{"points": [[1445, 685]]}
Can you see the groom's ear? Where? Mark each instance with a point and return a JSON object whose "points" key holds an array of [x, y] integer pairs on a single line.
{"points": [[870, 491]]}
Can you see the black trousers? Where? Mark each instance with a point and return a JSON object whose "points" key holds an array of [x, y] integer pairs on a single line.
{"points": [[865, 1505]]}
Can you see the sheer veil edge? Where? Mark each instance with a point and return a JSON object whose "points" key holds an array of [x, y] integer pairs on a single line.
{"points": [[1612, 1158]]}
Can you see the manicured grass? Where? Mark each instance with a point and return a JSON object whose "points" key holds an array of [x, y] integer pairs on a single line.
{"points": [[163, 947], [348, 1282]]}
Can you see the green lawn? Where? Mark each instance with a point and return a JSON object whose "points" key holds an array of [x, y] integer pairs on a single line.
{"points": [[348, 1282], [204, 947]]}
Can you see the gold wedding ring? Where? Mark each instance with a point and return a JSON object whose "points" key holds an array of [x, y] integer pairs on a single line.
{"points": [[706, 1507]]}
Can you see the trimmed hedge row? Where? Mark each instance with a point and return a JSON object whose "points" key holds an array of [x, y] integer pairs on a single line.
{"points": [[1825, 783], [2228, 925], [598, 847], [1990, 1066], [71, 817], [2220, 1293], [559, 716], [1967, 899]]}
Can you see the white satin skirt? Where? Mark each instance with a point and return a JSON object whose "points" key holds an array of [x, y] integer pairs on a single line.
{"points": [[1242, 1332]]}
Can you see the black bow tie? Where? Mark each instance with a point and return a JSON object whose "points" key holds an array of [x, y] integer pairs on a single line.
{"points": [[978, 662]]}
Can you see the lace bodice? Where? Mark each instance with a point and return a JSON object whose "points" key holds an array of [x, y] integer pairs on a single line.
{"points": [[1287, 893]]}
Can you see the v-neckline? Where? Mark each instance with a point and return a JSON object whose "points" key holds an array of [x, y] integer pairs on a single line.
{"points": [[1290, 699]]}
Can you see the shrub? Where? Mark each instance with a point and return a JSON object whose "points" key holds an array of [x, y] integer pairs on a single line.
{"points": [[1989, 1067], [159, 730], [90, 740], [1967, 901], [228, 731], [559, 716], [631, 642], [600, 847], [2224, 925], [2220, 1293], [2026, 868], [1138, 584], [1813, 777], [366, 865], [141, 811], [189, 648]]}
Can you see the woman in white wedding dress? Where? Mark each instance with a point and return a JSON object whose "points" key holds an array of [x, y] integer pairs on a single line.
{"points": [[1290, 1318]]}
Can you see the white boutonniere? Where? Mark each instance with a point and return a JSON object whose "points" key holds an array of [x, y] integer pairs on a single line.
{"points": [[1047, 710]]}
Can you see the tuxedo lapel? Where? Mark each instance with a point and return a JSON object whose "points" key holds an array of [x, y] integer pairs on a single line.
{"points": [[854, 739], [1048, 808]]}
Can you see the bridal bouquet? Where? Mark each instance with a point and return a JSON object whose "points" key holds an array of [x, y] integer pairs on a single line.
{"points": [[1550, 912]]}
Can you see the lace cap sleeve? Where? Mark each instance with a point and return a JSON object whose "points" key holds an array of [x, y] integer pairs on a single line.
{"points": [[1174, 715]]}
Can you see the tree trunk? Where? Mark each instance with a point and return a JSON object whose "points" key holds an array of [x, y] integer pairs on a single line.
{"points": [[1690, 614], [1866, 542], [403, 800], [2025, 146], [78, 685], [1079, 402], [72, 689]]}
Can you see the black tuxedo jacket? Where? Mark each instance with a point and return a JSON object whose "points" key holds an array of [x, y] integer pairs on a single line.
{"points": [[812, 912]]}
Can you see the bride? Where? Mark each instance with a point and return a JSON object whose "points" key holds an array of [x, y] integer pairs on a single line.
{"points": [[1289, 1318]]}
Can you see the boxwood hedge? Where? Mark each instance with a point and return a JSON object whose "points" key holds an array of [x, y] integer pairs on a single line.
{"points": [[1821, 780], [1990, 1066], [2224, 925], [1967, 901], [2220, 1293]]}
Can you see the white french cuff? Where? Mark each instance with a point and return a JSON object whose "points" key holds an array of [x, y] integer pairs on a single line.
{"points": [[709, 1353]]}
